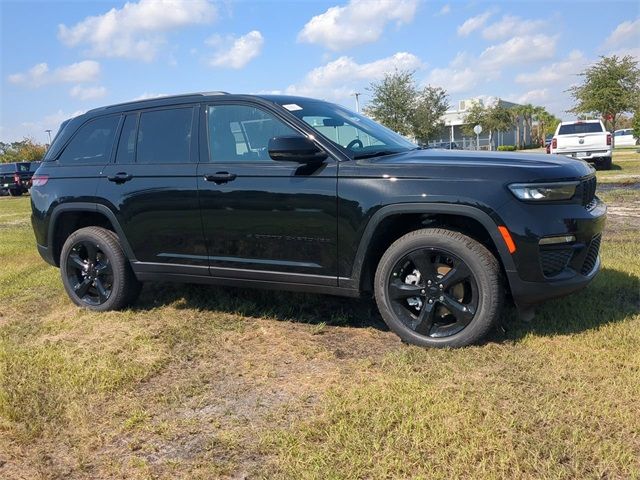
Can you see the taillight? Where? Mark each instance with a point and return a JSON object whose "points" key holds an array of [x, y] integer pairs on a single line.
{"points": [[39, 180], [608, 139], [554, 143]]}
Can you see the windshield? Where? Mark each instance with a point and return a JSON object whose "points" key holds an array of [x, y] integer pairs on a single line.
{"points": [[357, 135]]}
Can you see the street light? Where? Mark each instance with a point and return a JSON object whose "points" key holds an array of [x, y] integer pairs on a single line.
{"points": [[49, 132], [357, 95]]}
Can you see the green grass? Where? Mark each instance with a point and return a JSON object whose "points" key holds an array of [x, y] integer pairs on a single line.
{"points": [[203, 382]]}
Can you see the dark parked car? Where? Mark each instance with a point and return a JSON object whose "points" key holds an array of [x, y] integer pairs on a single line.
{"points": [[298, 194], [15, 178]]}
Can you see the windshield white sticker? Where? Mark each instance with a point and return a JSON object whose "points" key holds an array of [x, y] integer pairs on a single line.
{"points": [[292, 107]]}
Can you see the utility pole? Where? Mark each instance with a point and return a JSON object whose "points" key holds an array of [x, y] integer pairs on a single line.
{"points": [[357, 95], [49, 132]]}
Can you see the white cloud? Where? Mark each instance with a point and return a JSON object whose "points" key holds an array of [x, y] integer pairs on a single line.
{"points": [[520, 49], [147, 95], [445, 10], [556, 72], [88, 93], [135, 30], [36, 129], [510, 25], [40, 74], [624, 40], [627, 33], [536, 96], [340, 78], [474, 23], [232, 52], [357, 23]]}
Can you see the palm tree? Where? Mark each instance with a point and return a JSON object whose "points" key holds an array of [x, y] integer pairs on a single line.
{"points": [[516, 115]]}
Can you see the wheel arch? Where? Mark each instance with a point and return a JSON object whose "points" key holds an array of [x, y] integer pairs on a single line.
{"points": [[393, 221], [67, 218]]}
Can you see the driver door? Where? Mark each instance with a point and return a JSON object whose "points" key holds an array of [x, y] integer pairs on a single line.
{"points": [[264, 219]]}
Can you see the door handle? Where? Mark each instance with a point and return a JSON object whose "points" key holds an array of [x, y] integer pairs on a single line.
{"points": [[120, 177], [220, 177]]}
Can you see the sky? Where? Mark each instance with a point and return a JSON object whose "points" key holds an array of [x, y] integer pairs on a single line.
{"points": [[59, 59]]}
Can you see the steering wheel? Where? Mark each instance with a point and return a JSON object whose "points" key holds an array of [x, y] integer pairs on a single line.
{"points": [[354, 142]]}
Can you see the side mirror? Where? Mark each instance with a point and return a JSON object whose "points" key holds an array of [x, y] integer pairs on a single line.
{"points": [[295, 148]]}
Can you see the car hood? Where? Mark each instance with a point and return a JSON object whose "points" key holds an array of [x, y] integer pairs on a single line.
{"points": [[508, 165]]}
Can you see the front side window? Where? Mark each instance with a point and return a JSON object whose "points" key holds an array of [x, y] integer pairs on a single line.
{"points": [[164, 136], [355, 134], [241, 133], [92, 143]]}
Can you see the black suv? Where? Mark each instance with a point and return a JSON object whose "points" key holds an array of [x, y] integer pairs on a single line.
{"points": [[299, 194], [15, 178]]}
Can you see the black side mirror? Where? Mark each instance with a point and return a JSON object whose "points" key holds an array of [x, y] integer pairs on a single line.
{"points": [[295, 148]]}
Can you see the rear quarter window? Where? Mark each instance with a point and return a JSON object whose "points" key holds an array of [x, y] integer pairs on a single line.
{"points": [[92, 142], [579, 128]]}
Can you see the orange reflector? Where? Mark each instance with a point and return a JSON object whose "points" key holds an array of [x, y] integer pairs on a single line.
{"points": [[506, 236]]}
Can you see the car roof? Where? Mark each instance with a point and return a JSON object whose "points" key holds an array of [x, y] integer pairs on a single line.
{"points": [[190, 98]]}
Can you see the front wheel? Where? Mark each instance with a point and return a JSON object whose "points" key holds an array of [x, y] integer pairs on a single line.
{"points": [[95, 271], [439, 288], [14, 192]]}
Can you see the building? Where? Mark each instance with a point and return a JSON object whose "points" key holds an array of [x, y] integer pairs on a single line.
{"points": [[454, 120]]}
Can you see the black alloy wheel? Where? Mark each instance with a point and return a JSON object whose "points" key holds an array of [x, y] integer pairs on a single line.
{"points": [[89, 272], [439, 288], [433, 292]]}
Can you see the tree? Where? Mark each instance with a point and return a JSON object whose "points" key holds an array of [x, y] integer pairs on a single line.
{"points": [[393, 101], [24, 151], [492, 119], [547, 123], [429, 107], [635, 124], [609, 88]]}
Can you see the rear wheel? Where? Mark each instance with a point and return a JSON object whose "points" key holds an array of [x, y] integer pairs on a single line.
{"points": [[438, 288], [95, 271], [604, 163], [15, 192]]}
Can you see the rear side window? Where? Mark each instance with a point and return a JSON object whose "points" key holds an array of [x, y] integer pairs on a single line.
{"points": [[578, 128], [164, 136], [92, 143]]}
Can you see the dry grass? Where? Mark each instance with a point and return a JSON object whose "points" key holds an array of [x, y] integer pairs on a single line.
{"points": [[203, 382]]}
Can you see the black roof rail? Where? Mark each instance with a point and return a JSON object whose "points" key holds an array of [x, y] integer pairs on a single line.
{"points": [[163, 97]]}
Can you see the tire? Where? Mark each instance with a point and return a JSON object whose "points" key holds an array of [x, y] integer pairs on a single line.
{"points": [[95, 271], [454, 313], [604, 164], [15, 193]]}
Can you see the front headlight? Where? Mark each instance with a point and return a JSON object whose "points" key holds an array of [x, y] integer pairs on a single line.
{"points": [[544, 192]]}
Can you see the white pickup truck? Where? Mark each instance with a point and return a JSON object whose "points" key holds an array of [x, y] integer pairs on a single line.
{"points": [[584, 139]]}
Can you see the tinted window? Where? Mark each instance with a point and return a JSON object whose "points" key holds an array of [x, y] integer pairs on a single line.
{"points": [[164, 136], [92, 142], [578, 128], [127, 144], [22, 167], [240, 133]]}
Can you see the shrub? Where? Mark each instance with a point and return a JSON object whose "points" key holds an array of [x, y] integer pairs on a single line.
{"points": [[506, 148]]}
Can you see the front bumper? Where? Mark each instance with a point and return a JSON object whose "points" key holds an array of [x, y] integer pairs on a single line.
{"points": [[527, 294]]}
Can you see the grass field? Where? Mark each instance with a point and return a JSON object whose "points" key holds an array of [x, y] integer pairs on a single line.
{"points": [[205, 382]]}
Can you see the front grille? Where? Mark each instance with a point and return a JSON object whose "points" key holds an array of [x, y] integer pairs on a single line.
{"points": [[555, 261], [592, 255], [588, 188]]}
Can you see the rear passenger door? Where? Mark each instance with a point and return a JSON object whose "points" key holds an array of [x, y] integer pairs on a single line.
{"points": [[152, 189]]}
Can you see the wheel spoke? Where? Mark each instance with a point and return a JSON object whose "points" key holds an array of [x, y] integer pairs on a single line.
{"points": [[422, 261], [457, 274], [425, 319], [399, 290], [82, 287], [76, 262], [102, 266], [462, 312], [102, 292], [92, 251]]}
